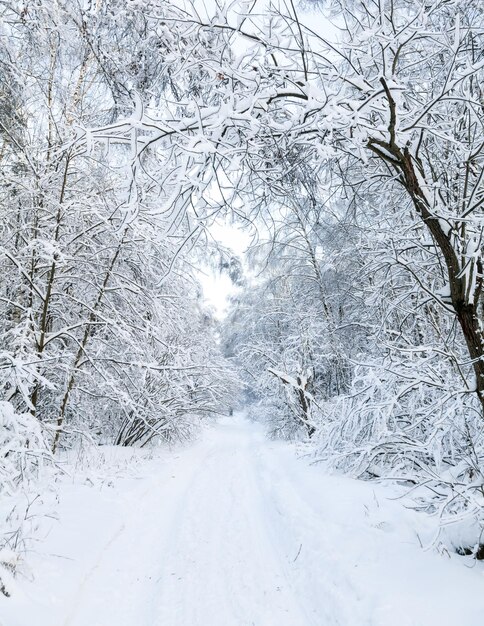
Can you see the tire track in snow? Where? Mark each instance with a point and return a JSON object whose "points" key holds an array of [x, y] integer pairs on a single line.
{"points": [[224, 568], [213, 543], [116, 544], [320, 571]]}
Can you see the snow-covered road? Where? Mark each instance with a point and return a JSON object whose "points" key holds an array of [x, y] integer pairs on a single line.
{"points": [[235, 531]]}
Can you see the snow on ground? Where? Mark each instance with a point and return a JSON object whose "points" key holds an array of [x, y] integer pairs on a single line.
{"points": [[236, 531]]}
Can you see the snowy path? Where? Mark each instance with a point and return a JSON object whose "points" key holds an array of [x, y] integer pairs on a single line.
{"points": [[234, 531]]}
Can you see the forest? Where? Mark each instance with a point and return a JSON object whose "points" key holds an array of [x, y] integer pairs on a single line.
{"points": [[345, 140]]}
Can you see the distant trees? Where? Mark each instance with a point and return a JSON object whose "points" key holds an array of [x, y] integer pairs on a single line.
{"points": [[293, 330]]}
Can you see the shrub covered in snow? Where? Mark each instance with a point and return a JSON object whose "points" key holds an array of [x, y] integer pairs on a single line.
{"points": [[23, 449]]}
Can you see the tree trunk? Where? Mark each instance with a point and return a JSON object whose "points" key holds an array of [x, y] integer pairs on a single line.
{"points": [[469, 322], [464, 297], [305, 403]]}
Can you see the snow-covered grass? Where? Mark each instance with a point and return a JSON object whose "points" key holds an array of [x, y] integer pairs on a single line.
{"points": [[30, 509], [235, 530]]}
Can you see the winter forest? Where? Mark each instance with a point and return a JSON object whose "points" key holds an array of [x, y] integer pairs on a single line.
{"points": [[312, 451]]}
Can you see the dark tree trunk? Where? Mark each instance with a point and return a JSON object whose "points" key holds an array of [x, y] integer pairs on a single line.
{"points": [[469, 322], [464, 298], [305, 404]]}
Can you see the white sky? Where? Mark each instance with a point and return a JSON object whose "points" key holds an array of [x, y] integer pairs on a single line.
{"points": [[217, 287]]}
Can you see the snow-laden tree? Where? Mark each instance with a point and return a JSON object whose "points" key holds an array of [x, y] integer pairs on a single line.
{"points": [[103, 330]]}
